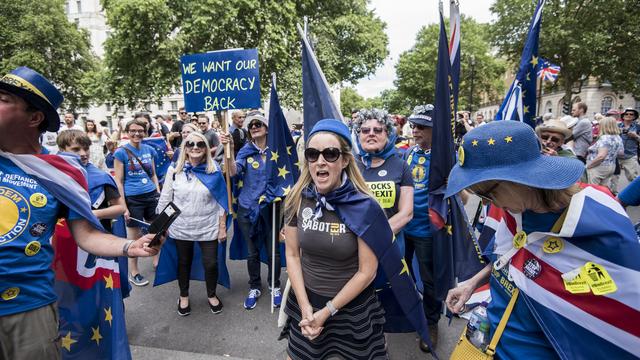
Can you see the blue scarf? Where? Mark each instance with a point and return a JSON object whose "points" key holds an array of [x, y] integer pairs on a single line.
{"points": [[364, 217], [214, 182], [97, 180], [388, 150]]}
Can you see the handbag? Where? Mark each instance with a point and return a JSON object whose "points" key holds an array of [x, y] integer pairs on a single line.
{"points": [[465, 350]]}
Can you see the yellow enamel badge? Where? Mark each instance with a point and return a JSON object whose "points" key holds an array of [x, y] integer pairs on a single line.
{"points": [[422, 160], [38, 200], [598, 279], [520, 240], [255, 165], [553, 245], [250, 160], [461, 155], [10, 293], [32, 248]]}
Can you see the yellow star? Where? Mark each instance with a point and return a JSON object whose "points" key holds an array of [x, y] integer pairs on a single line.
{"points": [[534, 60], [240, 184], [405, 267], [23, 209], [394, 238], [288, 150], [262, 198], [524, 92], [298, 164], [67, 341], [109, 282], [508, 139], [286, 190], [449, 229], [474, 142], [107, 315], [274, 156], [96, 334], [491, 141], [528, 79], [526, 109], [282, 171], [234, 200]]}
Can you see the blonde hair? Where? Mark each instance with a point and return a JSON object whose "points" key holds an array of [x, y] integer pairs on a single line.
{"points": [[190, 126], [609, 126], [294, 199], [183, 154]]}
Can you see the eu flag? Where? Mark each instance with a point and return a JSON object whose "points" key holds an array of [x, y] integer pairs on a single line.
{"points": [[282, 158], [162, 160], [317, 101], [520, 102], [455, 253]]}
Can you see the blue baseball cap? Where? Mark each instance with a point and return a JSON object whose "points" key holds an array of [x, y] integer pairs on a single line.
{"points": [[334, 126], [37, 90], [509, 151], [422, 115]]}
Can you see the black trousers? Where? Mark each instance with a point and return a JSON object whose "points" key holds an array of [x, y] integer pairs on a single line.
{"points": [[209, 251], [423, 247]]}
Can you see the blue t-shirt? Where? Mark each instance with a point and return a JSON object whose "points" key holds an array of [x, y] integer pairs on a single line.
{"points": [[418, 161], [136, 180], [522, 337], [28, 216], [630, 145], [254, 178]]}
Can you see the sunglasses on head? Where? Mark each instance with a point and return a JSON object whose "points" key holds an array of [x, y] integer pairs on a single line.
{"points": [[199, 144], [367, 130], [417, 126], [255, 125], [329, 154], [550, 138]]}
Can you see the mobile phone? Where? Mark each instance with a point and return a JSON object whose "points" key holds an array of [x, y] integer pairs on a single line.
{"points": [[162, 222]]}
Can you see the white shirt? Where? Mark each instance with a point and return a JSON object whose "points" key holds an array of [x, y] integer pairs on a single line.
{"points": [[200, 212], [74, 127]]}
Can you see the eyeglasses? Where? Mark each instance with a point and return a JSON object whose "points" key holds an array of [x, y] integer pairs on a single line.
{"points": [[329, 154], [255, 125], [630, 114], [133, 132], [417, 126], [486, 195], [199, 144], [202, 123], [551, 138], [367, 130]]}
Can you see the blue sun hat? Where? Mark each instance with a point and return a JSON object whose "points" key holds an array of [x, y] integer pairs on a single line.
{"points": [[334, 126], [37, 90], [509, 150], [422, 115]]}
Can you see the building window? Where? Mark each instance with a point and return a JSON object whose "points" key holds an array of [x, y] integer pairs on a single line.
{"points": [[108, 106], [79, 3], [174, 105], [160, 105], [606, 104], [548, 107]]}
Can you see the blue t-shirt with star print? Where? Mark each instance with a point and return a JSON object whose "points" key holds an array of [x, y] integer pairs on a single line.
{"points": [[419, 161], [28, 217]]}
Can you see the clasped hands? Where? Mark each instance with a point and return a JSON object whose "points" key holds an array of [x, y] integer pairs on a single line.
{"points": [[312, 323]]}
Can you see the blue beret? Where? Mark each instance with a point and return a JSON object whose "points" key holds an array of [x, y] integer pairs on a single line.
{"points": [[334, 126]]}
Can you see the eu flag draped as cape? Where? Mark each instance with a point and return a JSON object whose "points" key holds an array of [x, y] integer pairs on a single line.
{"points": [[92, 323], [455, 253], [167, 269]]}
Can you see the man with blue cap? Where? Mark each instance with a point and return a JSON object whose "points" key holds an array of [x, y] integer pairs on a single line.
{"points": [[417, 232], [558, 249], [35, 190]]}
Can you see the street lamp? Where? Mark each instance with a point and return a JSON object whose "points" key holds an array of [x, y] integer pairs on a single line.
{"points": [[473, 68]]}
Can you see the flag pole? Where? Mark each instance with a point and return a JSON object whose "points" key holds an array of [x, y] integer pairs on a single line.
{"points": [[227, 161], [273, 228]]}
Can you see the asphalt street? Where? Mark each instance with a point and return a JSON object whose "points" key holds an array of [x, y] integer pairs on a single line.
{"points": [[157, 332]]}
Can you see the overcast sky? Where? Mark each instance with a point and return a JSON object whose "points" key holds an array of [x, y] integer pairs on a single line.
{"points": [[404, 19]]}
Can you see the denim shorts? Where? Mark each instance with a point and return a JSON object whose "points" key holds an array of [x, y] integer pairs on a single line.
{"points": [[143, 206]]}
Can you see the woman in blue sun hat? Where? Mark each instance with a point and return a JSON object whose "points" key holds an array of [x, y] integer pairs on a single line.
{"points": [[565, 248]]}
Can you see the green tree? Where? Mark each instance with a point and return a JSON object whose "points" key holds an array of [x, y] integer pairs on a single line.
{"points": [[37, 34], [142, 55], [416, 68], [584, 37], [350, 100]]}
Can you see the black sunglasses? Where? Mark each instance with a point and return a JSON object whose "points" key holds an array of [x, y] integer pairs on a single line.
{"points": [[200, 144], [486, 195], [255, 125], [329, 154], [551, 138], [182, 112], [367, 130], [417, 126]]}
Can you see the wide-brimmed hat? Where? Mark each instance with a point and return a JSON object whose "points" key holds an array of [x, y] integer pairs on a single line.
{"points": [[631, 110], [422, 115], [556, 126], [37, 91], [255, 115], [510, 151], [569, 120]]}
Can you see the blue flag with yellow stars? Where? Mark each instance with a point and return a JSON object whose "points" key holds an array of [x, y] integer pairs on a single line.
{"points": [[282, 159], [162, 160], [520, 102]]}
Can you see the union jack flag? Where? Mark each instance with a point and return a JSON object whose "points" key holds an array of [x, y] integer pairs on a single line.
{"points": [[548, 71]]}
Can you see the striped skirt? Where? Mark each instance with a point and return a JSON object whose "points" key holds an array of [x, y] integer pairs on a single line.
{"points": [[355, 332]]}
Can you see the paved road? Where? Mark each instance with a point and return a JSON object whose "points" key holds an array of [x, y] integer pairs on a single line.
{"points": [[157, 332]]}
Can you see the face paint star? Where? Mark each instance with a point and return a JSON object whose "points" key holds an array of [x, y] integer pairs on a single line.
{"points": [[491, 141], [474, 142], [508, 139], [274, 156]]}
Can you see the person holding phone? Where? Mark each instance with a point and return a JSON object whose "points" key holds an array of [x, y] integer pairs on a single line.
{"points": [[137, 180], [196, 186]]}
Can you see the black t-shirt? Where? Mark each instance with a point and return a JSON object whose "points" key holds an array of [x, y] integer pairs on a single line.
{"points": [[110, 193], [239, 139], [177, 127], [385, 181], [212, 138]]}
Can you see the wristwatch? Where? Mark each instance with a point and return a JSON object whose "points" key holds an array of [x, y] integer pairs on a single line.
{"points": [[125, 248], [332, 309]]}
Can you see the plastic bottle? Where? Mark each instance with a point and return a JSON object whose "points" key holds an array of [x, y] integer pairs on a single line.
{"points": [[478, 315], [480, 338]]}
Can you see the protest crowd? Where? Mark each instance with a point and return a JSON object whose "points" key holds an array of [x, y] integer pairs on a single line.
{"points": [[364, 213]]}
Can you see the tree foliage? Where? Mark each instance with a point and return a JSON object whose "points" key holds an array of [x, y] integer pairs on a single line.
{"points": [[142, 55], [37, 34], [416, 68], [584, 37]]}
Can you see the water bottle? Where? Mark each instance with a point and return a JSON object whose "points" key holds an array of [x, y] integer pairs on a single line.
{"points": [[480, 338], [478, 315]]}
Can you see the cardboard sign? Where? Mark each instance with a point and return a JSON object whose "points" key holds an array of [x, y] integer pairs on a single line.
{"points": [[221, 80]]}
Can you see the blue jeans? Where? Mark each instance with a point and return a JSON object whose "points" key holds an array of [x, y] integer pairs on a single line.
{"points": [[423, 247]]}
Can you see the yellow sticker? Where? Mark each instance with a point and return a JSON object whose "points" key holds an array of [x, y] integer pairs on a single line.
{"points": [[384, 192], [421, 160], [576, 286], [598, 279], [250, 160], [10, 293], [255, 165], [460, 156], [32, 248], [520, 240], [553, 245], [38, 200]]}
